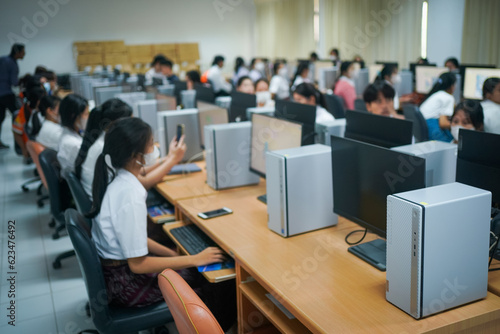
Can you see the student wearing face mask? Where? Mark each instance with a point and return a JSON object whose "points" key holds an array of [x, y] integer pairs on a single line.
{"points": [[130, 260], [240, 70], [257, 68], [468, 115], [264, 98], [74, 111], [245, 85], [335, 56], [280, 86], [305, 93], [51, 131], [453, 65], [345, 84], [390, 74], [491, 105], [379, 99]]}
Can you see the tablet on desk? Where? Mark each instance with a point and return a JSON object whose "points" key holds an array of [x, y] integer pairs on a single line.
{"points": [[184, 169]]}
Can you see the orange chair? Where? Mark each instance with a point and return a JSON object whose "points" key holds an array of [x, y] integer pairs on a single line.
{"points": [[190, 314], [34, 150]]}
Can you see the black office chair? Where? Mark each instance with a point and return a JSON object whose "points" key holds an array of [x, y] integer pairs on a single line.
{"points": [[360, 105], [335, 105], [108, 318], [59, 195], [82, 200], [420, 130]]}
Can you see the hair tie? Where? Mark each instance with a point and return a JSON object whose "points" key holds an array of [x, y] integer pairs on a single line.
{"points": [[107, 160], [440, 81]]}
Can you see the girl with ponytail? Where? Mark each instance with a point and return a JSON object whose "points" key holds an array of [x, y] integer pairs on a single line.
{"points": [[306, 93]]}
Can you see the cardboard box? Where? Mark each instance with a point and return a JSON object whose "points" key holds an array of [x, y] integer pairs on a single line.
{"points": [[116, 58], [188, 51], [89, 59], [168, 50], [114, 46]]}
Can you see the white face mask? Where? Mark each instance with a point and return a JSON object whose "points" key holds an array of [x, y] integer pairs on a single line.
{"points": [[283, 72], [46, 85], [454, 131], [263, 97], [150, 158], [260, 66], [333, 58], [396, 79]]}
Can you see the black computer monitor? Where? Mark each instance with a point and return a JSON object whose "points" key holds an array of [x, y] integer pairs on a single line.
{"points": [[335, 105], [240, 102], [478, 161], [301, 113], [363, 176], [271, 134], [378, 130], [205, 94], [179, 87]]}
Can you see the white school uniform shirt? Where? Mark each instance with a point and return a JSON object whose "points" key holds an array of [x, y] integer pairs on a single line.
{"points": [[255, 75], [396, 95], [69, 145], [120, 229], [437, 105], [491, 112], [217, 79], [50, 135], [88, 166], [151, 73], [298, 81], [279, 86], [242, 71], [322, 115]]}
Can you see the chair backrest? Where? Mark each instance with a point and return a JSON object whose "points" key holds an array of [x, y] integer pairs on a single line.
{"points": [[82, 200], [335, 105], [190, 314], [59, 194], [90, 265], [34, 150], [420, 130], [360, 105]]}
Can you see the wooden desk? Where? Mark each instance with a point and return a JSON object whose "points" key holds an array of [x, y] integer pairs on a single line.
{"points": [[494, 278]]}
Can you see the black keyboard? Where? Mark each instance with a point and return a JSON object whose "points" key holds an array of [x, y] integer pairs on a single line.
{"points": [[192, 238]]}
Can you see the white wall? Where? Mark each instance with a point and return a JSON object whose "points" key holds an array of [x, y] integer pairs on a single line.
{"points": [[219, 26], [444, 30]]}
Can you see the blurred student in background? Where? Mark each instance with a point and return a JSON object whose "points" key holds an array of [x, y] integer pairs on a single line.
{"points": [[335, 56], [345, 85], [257, 69], [306, 93], [245, 85], [220, 86], [166, 70], [280, 86], [379, 99], [192, 78], [155, 70], [264, 98], [467, 115], [390, 74], [437, 107], [240, 70], [452, 65], [301, 74], [491, 105], [51, 131]]}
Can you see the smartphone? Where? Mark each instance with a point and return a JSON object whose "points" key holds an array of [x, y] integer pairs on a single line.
{"points": [[180, 131], [215, 213]]}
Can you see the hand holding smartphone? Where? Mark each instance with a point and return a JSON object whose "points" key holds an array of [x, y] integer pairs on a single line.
{"points": [[180, 131], [215, 213]]}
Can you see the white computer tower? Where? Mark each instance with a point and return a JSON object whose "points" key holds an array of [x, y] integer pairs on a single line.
{"points": [[437, 248], [440, 160], [227, 154], [326, 129], [299, 189]]}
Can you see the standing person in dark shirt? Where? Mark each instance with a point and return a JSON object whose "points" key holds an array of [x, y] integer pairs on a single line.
{"points": [[9, 73]]}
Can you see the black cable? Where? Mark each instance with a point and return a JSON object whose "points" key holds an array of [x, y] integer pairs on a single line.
{"points": [[357, 242]]}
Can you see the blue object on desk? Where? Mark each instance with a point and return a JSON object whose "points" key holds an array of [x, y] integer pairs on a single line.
{"points": [[216, 266], [184, 168]]}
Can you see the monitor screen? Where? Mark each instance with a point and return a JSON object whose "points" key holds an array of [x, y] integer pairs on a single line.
{"points": [[209, 114], [271, 134], [204, 93], [378, 130], [179, 87], [478, 161], [426, 77], [474, 80], [413, 66], [240, 102], [364, 175], [300, 113]]}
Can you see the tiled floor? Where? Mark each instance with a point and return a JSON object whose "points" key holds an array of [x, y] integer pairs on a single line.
{"points": [[47, 301]]}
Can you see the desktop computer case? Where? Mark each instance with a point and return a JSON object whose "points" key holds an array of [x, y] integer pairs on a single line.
{"points": [[440, 160], [325, 130], [299, 189], [437, 248], [227, 150]]}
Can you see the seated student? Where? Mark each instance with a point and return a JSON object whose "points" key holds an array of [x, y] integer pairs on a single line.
{"points": [[257, 68], [49, 81], [264, 98], [192, 78], [437, 107], [130, 260], [166, 70], [301, 74], [313, 57], [491, 105], [280, 86], [358, 59], [74, 111], [344, 87], [305, 93], [468, 115], [379, 99], [240, 70], [335, 56], [51, 131], [245, 85], [452, 64], [220, 86], [93, 140], [155, 70]]}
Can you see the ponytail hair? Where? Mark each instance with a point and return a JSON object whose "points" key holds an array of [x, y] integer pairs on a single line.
{"points": [[99, 120], [303, 65], [125, 139], [445, 81], [239, 62], [307, 90]]}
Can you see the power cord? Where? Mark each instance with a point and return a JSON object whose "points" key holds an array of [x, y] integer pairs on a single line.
{"points": [[357, 242]]}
